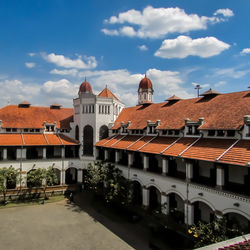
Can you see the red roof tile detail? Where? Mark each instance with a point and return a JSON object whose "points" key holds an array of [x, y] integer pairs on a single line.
{"points": [[140, 143], [126, 141], [179, 146], [239, 154], [208, 149], [13, 116], [113, 141], [101, 142], [85, 87], [67, 140], [225, 111], [34, 139], [107, 93], [11, 140], [157, 145], [53, 139], [145, 83]]}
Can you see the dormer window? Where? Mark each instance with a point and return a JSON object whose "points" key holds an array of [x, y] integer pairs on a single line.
{"points": [[248, 131], [152, 130], [230, 133], [176, 132], [170, 132], [211, 133], [49, 128], [190, 130], [196, 130], [124, 130], [220, 133]]}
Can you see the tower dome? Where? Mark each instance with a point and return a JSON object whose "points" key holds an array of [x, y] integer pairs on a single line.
{"points": [[85, 87], [145, 91]]}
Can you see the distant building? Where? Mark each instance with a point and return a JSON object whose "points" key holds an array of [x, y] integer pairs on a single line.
{"points": [[188, 157]]}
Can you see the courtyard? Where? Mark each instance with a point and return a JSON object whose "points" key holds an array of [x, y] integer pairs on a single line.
{"points": [[57, 225]]}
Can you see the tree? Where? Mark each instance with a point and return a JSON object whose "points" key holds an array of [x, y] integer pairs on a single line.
{"points": [[7, 176], [215, 231], [42, 178], [107, 180]]}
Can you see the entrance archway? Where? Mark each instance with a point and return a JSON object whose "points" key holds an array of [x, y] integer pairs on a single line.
{"points": [[154, 198], [103, 132], [176, 207], [71, 176], [202, 212], [137, 193], [237, 220]]}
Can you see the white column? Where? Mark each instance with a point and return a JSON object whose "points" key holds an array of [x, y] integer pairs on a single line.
{"points": [[106, 154], [189, 214], [63, 152], [62, 177], [164, 166], [79, 175], [145, 162], [96, 152], [220, 176], [189, 170], [130, 159], [145, 197], [22, 180], [18, 153], [24, 151], [117, 156], [165, 204], [5, 154], [44, 153]]}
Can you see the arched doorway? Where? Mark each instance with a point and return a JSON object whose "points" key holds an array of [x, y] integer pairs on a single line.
{"points": [[58, 175], [71, 176], [33, 178], [88, 140], [235, 220], [202, 212], [176, 207], [137, 193], [103, 132], [154, 198], [77, 133]]}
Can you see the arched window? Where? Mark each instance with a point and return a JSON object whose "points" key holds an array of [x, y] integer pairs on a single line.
{"points": [[88, 140], [103, 132], [77, 133]]}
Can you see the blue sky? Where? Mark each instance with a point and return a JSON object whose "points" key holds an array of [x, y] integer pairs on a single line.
{"points": [[48, 47]]}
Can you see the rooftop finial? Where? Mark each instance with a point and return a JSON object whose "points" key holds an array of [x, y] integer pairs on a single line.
{"points": [[85, 79], [145, 74], [198, 87], [106, 86]]}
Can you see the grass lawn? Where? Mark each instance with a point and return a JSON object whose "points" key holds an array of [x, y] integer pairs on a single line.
{"points": [[27, 202]]}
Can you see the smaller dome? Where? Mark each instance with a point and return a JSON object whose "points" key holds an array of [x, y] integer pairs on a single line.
{"points": [[145, 83], [85, 87]]}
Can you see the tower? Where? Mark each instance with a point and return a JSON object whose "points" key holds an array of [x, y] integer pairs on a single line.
{"points": [[145, 91]]}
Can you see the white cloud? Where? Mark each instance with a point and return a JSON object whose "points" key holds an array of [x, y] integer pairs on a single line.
{"points": [[32, 54], [231, 73], [225, 12], [71, 72], [143, 47], [30, 65], [184, 46], [157, 22], [65, 62], [220, 83], [245, 51]]}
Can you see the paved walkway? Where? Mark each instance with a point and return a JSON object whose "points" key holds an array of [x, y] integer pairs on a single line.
{"points": [[59, 226]]}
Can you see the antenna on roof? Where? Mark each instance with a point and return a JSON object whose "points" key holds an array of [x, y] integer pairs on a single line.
{"points": [[106, 86], [85, 79], [198, 87]]}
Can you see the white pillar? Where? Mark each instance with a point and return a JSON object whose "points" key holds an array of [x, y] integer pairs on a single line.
{"points": [[189, 213], [145, 162], [63, 152], [220, 176], [117, 156], [22, 180], [18, 153], [164, 166], [145, 197], [106, 154], [44, 153], [165, 204], [62, 177], [130, 159], [189, 170], [24, 151], [79, 175], [5, 154]]}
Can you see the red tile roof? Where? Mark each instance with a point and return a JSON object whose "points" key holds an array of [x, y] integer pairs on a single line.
{"points": [[208, 149], [35, 140], [225, 111], [85, 87], [107, 93], [215, 150], [13, 116], [145, 83], [239, 154]]}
